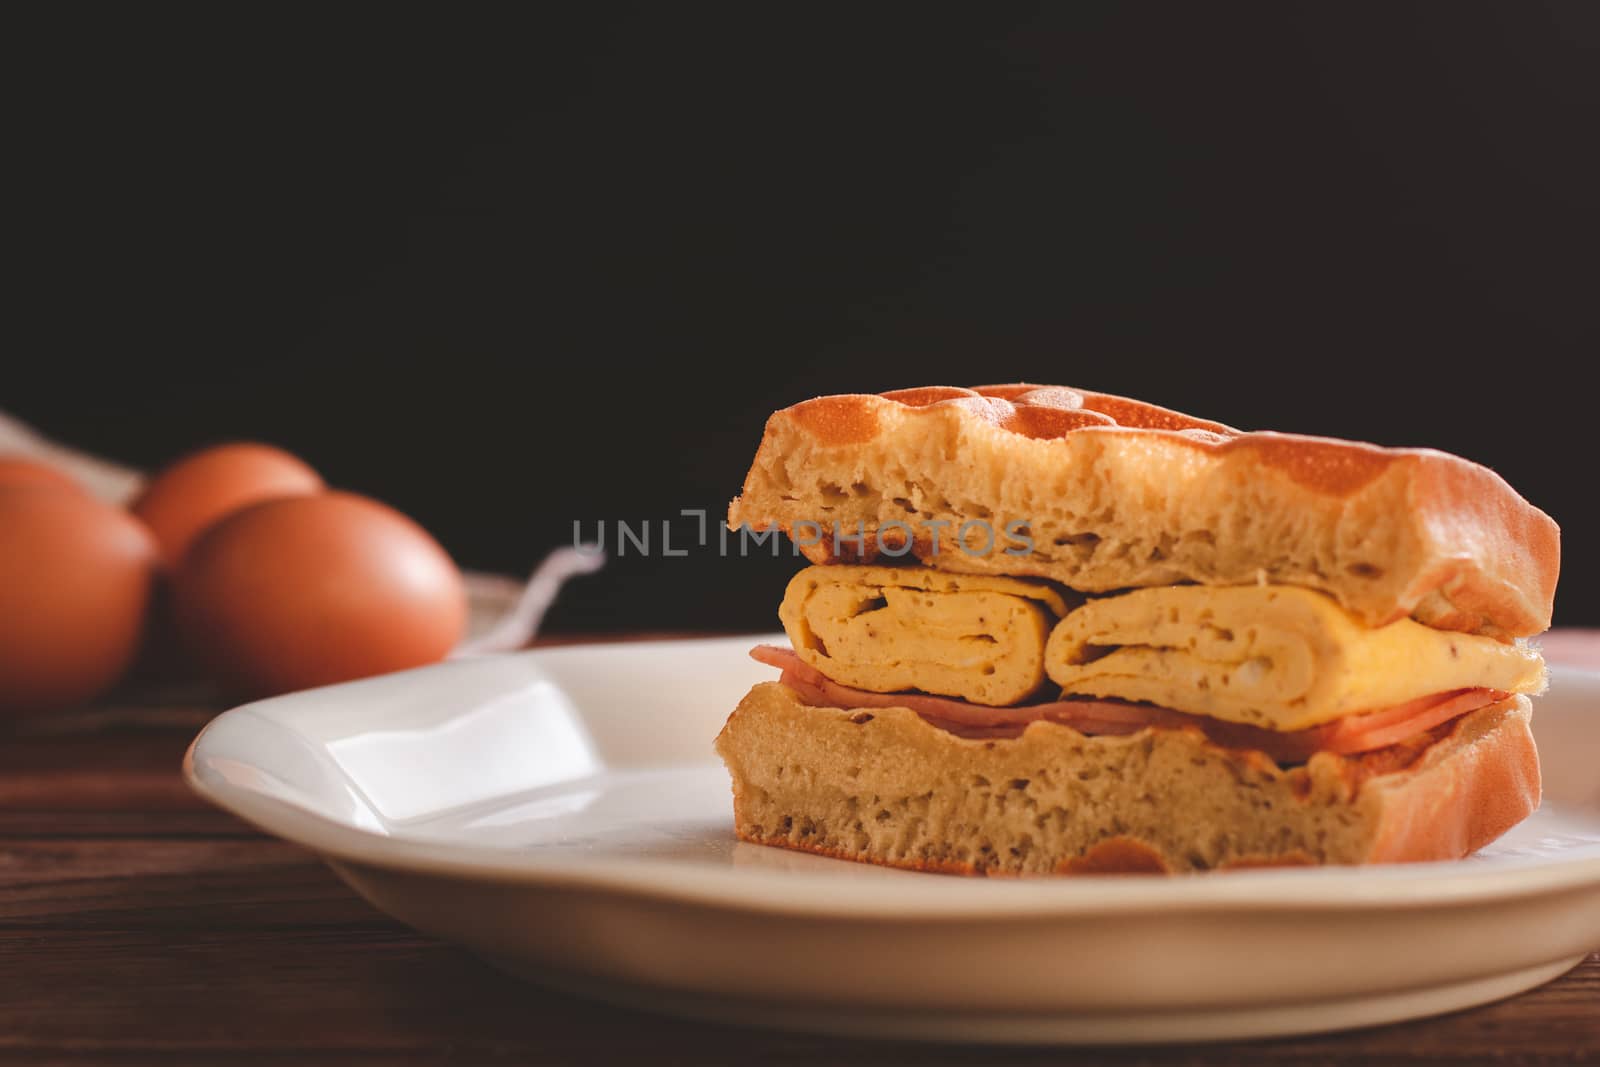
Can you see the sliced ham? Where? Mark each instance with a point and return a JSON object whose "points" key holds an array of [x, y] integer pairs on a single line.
{"points": [[1362, 732]]}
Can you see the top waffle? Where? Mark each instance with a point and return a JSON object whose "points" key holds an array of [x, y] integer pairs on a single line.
{"points": [[1103, 492]]}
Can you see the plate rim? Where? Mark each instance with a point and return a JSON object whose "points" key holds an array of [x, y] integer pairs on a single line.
{"points": [[823, 895]]}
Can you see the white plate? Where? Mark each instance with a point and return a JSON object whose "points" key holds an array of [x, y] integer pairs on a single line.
{"points": [[561, 812]]}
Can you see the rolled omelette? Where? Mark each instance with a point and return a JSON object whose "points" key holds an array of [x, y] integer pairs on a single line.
{"points": [[1280, 657], [884, 629]]}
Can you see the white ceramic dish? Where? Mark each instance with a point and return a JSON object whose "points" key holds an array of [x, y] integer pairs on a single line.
{"points": [[561, 812]]}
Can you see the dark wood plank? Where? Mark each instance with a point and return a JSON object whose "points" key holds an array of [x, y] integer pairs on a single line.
{"points": [[170, 885], [198, 948], [97, 822], [121, 769], [139, 926], [205, 992]]}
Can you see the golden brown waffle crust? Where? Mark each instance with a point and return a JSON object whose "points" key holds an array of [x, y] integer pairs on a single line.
{"points": [[1117, 494], [882, 785]]}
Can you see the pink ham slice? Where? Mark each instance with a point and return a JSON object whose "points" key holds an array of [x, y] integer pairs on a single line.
{"points": [[1352, 734]]}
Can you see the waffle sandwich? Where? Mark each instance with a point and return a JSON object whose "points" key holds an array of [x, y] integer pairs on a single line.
{"points": [[1052, 631]]}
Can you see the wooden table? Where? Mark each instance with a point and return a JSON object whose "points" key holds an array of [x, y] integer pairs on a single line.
{"points": [[137, 924]]}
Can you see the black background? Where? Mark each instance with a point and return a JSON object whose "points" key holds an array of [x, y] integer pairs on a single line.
{"points": [[508, 274]]}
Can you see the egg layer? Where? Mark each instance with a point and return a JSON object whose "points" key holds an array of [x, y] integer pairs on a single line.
{"points": [[885, 629], [1279, 657]]}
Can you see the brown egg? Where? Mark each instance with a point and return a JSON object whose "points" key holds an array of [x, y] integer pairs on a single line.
{"points": [[75, 583], [192, 493], [20, 470], [311, 590]]}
